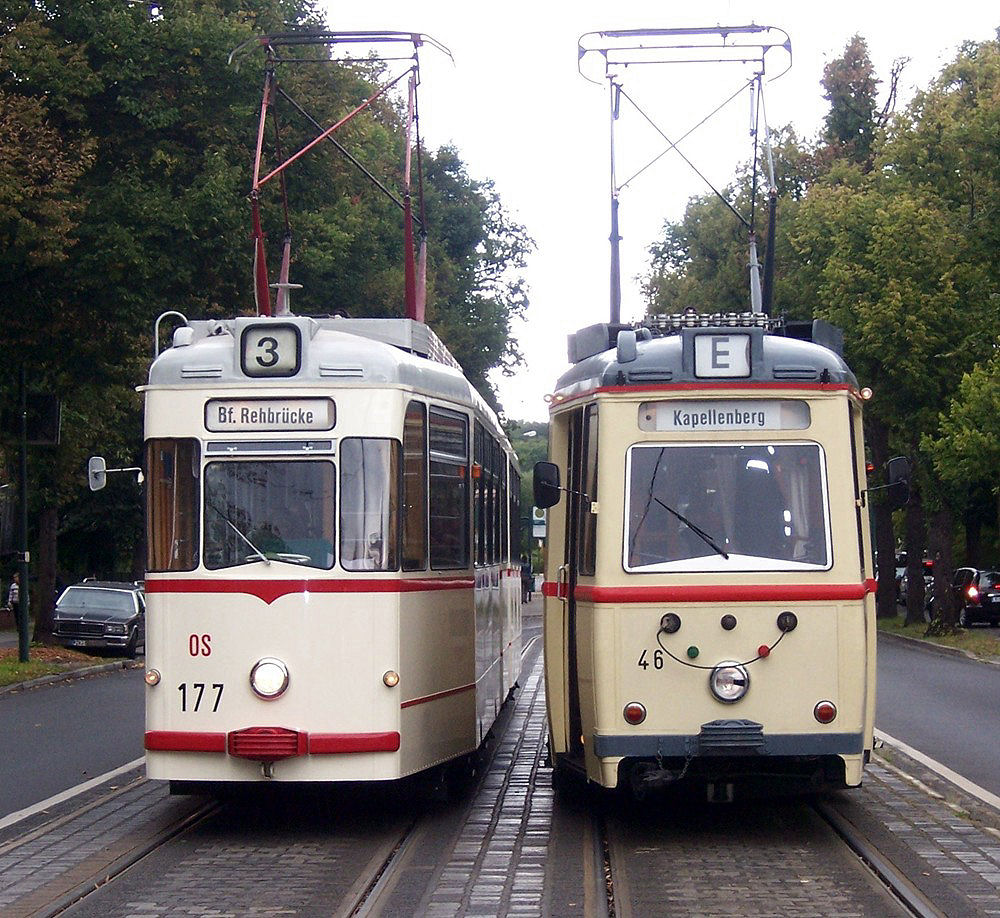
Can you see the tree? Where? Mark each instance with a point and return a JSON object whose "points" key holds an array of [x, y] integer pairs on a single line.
{"points": [[126, 197]]}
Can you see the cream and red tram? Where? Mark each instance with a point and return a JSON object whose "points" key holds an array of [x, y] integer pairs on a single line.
{"points": [[331, 591], [709, 595]]}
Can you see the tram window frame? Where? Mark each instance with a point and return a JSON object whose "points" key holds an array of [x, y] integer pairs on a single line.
{"points": [[505, 554], [515, 511], [703, 558], [490, 478], [448, 489], [415, 484], [376, 554], [169, 497], [479, 494], [270, 517], [587, 544]]}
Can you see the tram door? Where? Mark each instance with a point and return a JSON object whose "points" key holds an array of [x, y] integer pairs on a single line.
{"points": [[574, 476]]}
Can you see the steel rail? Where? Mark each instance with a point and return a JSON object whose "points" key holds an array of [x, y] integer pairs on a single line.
{"points": [[363, 899], [117, 867], [887, 872]]}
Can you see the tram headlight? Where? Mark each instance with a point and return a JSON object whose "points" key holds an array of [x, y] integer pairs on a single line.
{"points": [[269, 677], [729, 681]]}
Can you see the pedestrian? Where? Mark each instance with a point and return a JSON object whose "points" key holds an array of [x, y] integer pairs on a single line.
{"points": [[527, 579], [14, 600]]}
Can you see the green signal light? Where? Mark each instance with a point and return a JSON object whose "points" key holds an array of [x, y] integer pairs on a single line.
{"points": [[692, 652]]}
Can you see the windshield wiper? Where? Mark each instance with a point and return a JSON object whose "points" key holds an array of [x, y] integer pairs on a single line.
{"points": [[704, 536], [240, 533]]}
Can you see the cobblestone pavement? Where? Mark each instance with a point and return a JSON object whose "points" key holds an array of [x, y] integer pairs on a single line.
{"points": [[945, 841]]}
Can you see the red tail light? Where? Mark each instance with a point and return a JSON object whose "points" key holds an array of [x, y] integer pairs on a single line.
{"points": [[972, 593]]}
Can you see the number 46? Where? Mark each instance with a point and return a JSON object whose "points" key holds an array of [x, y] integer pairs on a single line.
{"points": [[657, 660]]}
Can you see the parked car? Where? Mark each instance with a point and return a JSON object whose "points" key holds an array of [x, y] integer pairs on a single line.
{"points": [[101, 615], [977, 595], [928, 581]]}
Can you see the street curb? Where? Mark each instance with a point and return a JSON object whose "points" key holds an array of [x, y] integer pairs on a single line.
{"points": [[69, 674], [932, 647]]}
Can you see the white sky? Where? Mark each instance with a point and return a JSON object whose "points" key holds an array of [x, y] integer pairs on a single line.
{"points": [[519, 113]]}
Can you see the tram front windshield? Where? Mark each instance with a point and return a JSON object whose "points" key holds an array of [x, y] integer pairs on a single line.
{"points": [[727, 507], [271, 510]]}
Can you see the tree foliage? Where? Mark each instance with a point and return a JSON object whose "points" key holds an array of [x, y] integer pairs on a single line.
{"points": [[124, 174]]}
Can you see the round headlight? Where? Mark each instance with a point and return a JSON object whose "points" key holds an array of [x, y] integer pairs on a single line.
{"points": [[269, 677], [729, 681]]}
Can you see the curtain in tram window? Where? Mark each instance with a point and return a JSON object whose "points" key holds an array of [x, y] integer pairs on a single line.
{"points": [[369, 504]]}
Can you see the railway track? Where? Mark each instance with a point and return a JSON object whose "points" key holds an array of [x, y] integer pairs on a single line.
{"points": [[762, 870]]}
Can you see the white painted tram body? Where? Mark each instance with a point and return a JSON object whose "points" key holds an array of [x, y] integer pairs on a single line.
{"points": [[709, 607], [332, 527]]}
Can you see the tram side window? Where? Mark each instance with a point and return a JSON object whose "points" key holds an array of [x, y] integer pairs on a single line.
{"points": [[449, 493], [515, 513], [369, 504], [479, 493], [588, 520], [490, 479], [172, 498], [415, 487], [504, 509]]}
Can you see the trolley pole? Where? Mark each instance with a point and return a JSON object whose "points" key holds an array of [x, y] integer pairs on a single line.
{"points": [[22, 605]]}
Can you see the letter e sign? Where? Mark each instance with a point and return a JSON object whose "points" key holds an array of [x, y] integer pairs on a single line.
{"points": [[722, 356]]}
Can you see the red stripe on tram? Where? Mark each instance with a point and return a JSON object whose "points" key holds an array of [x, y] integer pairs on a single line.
{"points": [[316, 743], [270, 590], [708, 593], [559, 401], [337, 743], [177, 741], [425, 698]]}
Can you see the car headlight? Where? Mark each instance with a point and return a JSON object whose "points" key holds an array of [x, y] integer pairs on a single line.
{"points": [[116, 628], [269, 677], [729, 681]]}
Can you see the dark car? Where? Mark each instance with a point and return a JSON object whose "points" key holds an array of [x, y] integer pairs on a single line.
{"points": [[977, 595], [903, 582], [101, 615]]}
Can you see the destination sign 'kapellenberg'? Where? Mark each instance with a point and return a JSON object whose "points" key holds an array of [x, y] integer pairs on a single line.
{"points": [[234, 414], [758, 414]]}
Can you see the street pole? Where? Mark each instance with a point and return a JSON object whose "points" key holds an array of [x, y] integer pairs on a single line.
{"points": [[22, 609]]}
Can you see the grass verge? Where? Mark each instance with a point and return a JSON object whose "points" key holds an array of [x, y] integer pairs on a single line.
{"points": [[979, 640], [43, 661]]}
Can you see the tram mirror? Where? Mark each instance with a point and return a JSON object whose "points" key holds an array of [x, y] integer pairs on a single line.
{"points": [[97, 474], [897, 475], [546, 484]]}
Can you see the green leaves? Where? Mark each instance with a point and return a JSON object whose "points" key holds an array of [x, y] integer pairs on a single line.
{"points": [[124, 174]]}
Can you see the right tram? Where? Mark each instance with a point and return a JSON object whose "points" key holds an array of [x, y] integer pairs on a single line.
{"points": [[709, 607]]}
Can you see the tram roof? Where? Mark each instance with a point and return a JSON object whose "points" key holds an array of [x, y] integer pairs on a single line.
{"points": [[608, 355], [335, 352]]}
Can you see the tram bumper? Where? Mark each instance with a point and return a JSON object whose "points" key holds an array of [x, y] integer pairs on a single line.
{"points": [[734, 750]]}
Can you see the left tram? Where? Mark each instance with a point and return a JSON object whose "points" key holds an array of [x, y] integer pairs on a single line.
{"points": [[332, 523]]}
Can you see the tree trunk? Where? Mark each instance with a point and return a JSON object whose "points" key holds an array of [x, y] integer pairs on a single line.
{"points": [[915, 542], [885, 539], [940, 541], [43, 598], [973, 536]]}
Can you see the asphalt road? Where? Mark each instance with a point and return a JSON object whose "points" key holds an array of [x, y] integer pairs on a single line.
{"points": [[60, 735], [942, 705]]}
